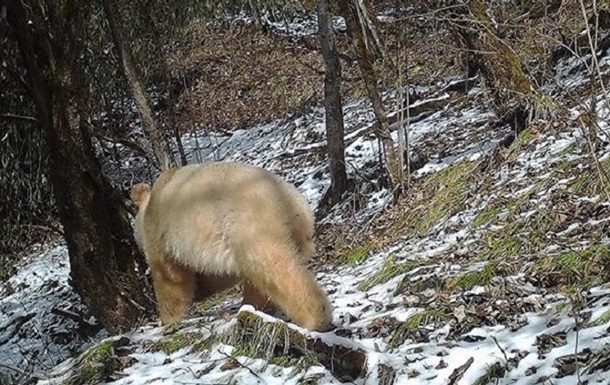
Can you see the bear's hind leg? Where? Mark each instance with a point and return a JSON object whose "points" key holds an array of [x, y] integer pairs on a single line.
{"points": [[274, 270], [207, 285], [174, 287], [257, 299]]}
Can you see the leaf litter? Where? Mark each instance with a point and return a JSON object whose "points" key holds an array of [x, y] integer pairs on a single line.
{"points": [[506, 283]]}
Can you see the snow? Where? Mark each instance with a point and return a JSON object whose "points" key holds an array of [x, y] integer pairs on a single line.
{"points": [[35, 333], [434, 351]]}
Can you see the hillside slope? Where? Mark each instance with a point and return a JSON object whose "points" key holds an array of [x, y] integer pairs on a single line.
{"points": [[492, 270]]}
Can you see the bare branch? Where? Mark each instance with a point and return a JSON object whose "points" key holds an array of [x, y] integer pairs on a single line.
{"points": [[16, 117]]}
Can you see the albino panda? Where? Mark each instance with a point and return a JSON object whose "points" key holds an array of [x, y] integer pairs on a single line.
{"points": [[204, 228]]}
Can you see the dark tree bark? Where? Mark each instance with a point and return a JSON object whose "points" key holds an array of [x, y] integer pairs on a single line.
{"points": [[332, 104], [159, 142], [96, 226], [362, 31], [512, 93]]}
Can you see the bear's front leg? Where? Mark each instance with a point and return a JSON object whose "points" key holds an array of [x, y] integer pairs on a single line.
{"points": [[174, 288], [274, 271]]}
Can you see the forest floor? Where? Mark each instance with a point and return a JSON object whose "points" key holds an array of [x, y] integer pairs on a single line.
{"points": [[491, 270]]}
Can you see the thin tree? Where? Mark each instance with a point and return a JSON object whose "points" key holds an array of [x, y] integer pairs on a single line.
{"points": [[97, 231], [512, 93], [363, 33], [332, 103], [159, 142], [160, 39]]}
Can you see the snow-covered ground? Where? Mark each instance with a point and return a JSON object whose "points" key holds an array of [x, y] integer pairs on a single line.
{"points": [[42, 320], [471, 297]]}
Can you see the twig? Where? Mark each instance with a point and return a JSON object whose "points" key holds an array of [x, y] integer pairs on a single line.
{"points": [[458, 373], [593, 43], [14, 369], [500, 347], [240, 364], [602, 173], [29, 119], [125, 142]]}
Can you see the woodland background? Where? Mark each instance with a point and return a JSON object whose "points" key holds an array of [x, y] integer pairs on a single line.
{"points": [[97, 95]]}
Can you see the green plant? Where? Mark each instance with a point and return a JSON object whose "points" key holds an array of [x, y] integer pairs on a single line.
{"points": [[178, 340], [481, 277], [357, 256], [419, 319], [389, 270], [488, 215], [448, 189]]}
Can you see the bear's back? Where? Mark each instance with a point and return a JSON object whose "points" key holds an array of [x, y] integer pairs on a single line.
{"points": [[207, 215]]}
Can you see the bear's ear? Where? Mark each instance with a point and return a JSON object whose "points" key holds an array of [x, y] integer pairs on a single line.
{"points": [[140, 194]]}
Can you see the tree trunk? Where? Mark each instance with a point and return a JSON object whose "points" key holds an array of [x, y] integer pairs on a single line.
{"points": [[159, 142], [96, 227], [333, 105], [160, 39], [362, 31], [504, 75]]}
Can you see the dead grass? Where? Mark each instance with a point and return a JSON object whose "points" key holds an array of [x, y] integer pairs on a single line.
{"points": [[430, 201], [237, 76]]}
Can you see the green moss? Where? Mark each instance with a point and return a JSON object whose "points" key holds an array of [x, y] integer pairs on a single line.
{"points": [[99, 362], [176, 341], [389, 270], [96, 364], [511, 74]]}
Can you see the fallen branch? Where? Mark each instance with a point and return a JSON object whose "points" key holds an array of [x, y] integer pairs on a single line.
{"points": [[419, 111], [86, 327], [416, 113]]}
